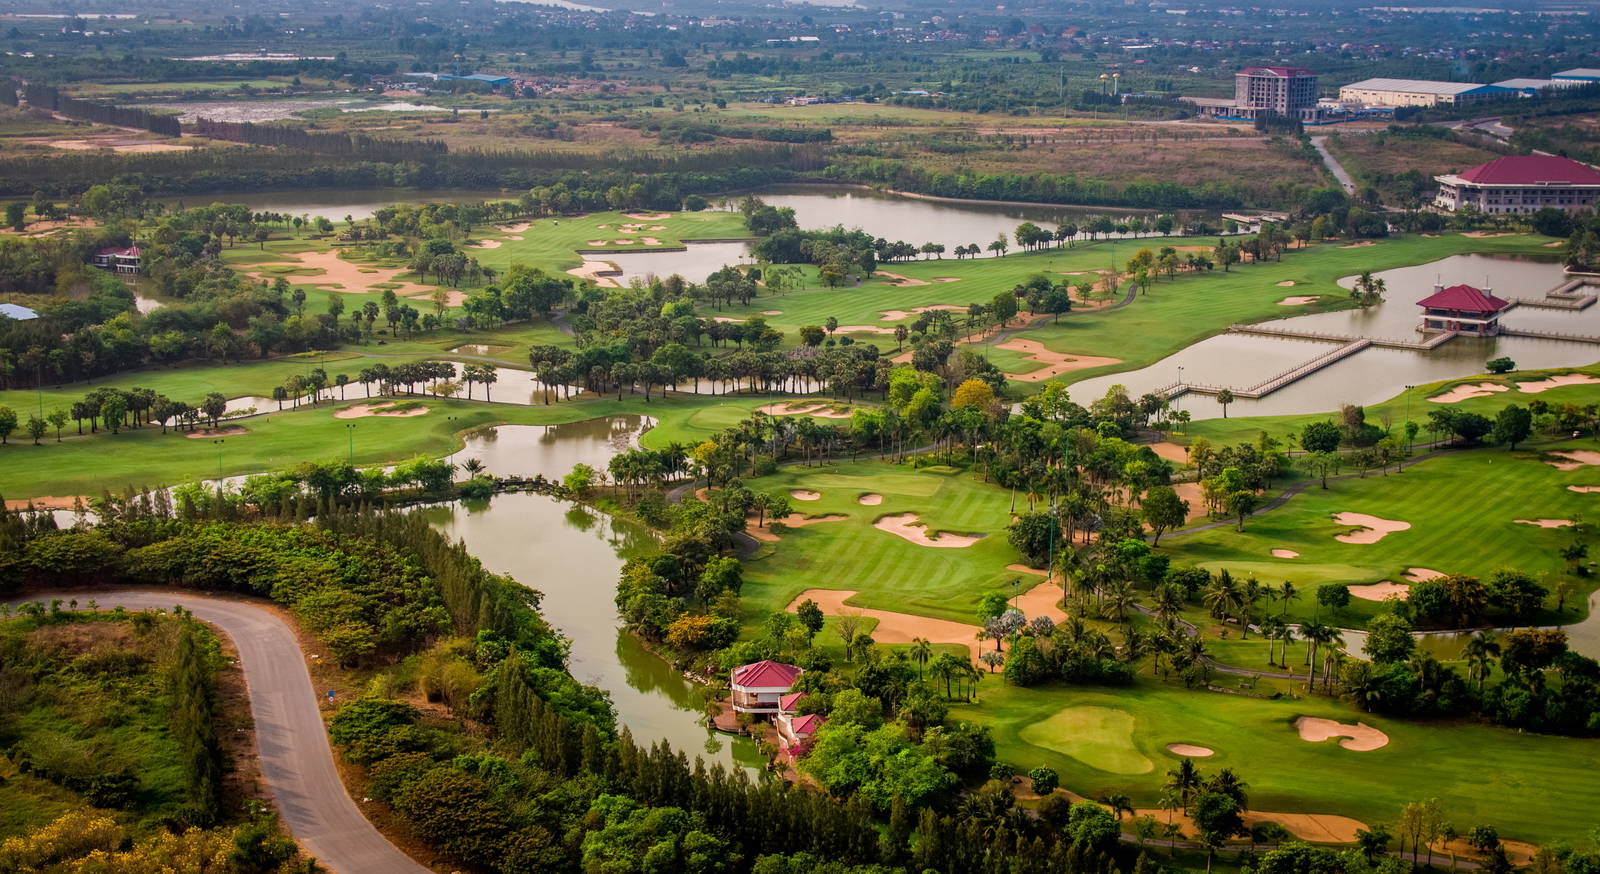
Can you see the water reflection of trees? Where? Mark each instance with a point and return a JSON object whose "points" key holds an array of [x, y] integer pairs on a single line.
{"points": [[651, 675]]}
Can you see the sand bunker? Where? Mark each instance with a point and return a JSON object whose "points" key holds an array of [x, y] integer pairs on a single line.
{"points": [[231, 431], [1422, 574], [486, 244], [650, 241], [1287, 283], [1360, 245], [1583, 489], [1285, 553], [49, 502], [864, 329], [893, 627], [1380, 591], [656, 228], [517, 228], [1543, 385], [1372, 528], [1360, 737], [1556, 244], [452, 298], [596, 242], [338, 274], [870, 500], [1467, 392], [947, 279], [821, 411], [593, 270], [727, 320], [1482, 234], [1545, 523], [902, 281], [772, 312], [793, 520], [648, 217], [1171, 452], [1297, 300], [897, 315], [805, 495], [1576, 458], [1055, 363], [1190, 750], [909, 527], [360, 411]]}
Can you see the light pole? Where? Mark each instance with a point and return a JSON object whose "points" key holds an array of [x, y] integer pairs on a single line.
{"points": [[451, 458], [350, 429], [218, 441], [1408, 415], [1179, 396]]}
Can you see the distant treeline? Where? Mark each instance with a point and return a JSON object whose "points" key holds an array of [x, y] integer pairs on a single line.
{"points": [[321, 142], [1035, 187], [666, 176], [46, 97]]}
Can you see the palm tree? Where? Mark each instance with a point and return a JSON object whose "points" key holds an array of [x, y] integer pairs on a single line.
{"points": [[1223, 597], [1167, 600], [1118, 803], [1271, 628], [921, 652], [1286, 637], [1184, 781], [1480, 653], [1286, 593], [1118, 600], [993, 659]]}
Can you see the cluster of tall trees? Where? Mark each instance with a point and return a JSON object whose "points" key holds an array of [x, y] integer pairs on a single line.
{"points": [[322, 142], [49, 98]]}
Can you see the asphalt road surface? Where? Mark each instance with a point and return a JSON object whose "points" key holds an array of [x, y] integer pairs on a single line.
{"points": [[295, 756]]}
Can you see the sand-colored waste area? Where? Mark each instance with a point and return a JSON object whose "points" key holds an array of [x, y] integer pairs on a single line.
{"points": [[1322, 828], [486, 244], [1055, 363], [1372, 528], [1575, 458], [793, 520], [1584, 490], [870, 500], [360, 411], [1543, 385], [893, 627], [1042, 600], [1171, 452], [230, 431], [1190, 750], [788, 408], [1285, 553], [1467, 392], [114, 145], [1297, 300], [1380, 591], [50, 502], [346, 276], [1422, 574], [591, 271], [1545, 523], [910, 527], [805, 495], [1360, 737], [902, 281]]}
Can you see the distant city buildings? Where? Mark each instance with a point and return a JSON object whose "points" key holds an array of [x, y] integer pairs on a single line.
{"points": [[1419, 92], [1520, 185]]}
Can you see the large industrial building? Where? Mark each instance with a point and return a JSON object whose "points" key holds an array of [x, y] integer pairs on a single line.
{"points": [[1581, 74], [1419, 92], [1521, 184], [1285, 91]]}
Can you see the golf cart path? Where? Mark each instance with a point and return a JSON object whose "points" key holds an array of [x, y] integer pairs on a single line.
{"points": [[292, 741]]}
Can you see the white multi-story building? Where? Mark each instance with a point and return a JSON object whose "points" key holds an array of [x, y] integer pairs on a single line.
{"points": [[1521, 184]]}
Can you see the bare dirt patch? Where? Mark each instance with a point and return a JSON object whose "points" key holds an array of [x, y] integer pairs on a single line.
{"points": [[893, 627], [47, 502], [805, 495], [1190, 750], [1055, 363], [1545, 523], [231, 431], [821, 411], [1297, 300], [361, 411], [908, 526], [1576, 458], [1380, 591], [870, 500], [1564, 379], [1371, 530], [1285, 553], [1360, 737], [1467, 392]]}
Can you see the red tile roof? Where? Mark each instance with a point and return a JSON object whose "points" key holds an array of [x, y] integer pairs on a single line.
{"points": [[804, 725], [1464, 298], [1532, 170], [765, 675], [790, 701], [131, 251], [1280, 71]]}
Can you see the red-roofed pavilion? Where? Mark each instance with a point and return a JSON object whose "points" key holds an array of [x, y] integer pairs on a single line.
{"points": [[1462, 308]]}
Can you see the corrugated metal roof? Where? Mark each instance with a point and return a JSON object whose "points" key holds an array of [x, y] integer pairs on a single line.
{"points": [[1417, 86]]}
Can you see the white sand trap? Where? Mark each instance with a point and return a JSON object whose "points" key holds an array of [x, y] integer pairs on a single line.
{"points": [[909, 527], [864, 329], [1297, 300], [1287, 283], [821, 411], [1361, 245], [1482, 234], [1380, 591], [231, 431], [1360, 737], [895, 315], [591, 271], [1055, 363], [727, 320], [1564, 379], [452, 298], [1555, 244], [650, 241], [1372, 528], [1467, 392], [1422, 574], [623, 242], [486, 244], [337, 274], [360, 411], [893, 628], [772, 312], [1583, 489], [1190, 751], [1285, 553], [597, 242], [870, 500], [793, 520], [1576, 458], [1545, 523], [902, 281], [656, 228], [517, 237], [648, 216], [805, 495], [947, 279], [601, 227], [517, 228], [1171, 452]]}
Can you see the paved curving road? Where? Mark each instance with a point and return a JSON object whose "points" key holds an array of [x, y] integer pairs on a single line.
{"points": [[295, 756]]}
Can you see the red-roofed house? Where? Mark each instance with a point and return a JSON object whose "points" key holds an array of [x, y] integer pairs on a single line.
{"points": [[118, 259], [760, 687], [1521, 184], [1462, 308], [796, 733]]}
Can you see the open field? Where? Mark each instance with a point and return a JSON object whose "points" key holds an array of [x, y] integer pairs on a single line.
{"points": [[1368, 155], [1474, 770]]}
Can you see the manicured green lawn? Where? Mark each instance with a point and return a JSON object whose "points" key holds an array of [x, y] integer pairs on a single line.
{"points": [[1461, 507], [1531, 787], [552, 243]]}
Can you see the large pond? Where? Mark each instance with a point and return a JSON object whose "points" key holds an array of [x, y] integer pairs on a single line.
{"points": [[1376, 374]]}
